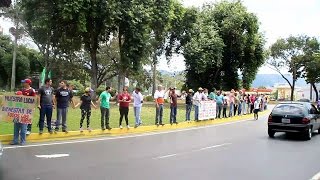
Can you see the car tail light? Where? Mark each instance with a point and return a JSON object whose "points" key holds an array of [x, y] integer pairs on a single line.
{"points": [[305, 121], [270, 118]]}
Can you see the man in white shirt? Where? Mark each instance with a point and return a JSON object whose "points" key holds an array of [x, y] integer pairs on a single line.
{"points": [[197, 98], [159, 100], [137, 104]]}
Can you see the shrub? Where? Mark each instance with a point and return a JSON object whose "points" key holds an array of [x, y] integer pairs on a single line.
{"points": [[149, 98]]}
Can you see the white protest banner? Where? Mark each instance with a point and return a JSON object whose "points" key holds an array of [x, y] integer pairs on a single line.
{"points": [[18, 108], [207, 110]]}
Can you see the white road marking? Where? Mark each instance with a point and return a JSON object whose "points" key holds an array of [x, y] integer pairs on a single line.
{"points": [[197, 150], [122, 137], [166, 156], [52, 156], [316, 177], [215, 146]]}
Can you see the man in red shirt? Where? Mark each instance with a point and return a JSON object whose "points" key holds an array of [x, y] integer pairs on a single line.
{"points": [[21, 128], [173, 106], [124, 100]]}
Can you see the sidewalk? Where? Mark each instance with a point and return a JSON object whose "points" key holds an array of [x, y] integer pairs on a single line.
{"points": [[45, 137]]}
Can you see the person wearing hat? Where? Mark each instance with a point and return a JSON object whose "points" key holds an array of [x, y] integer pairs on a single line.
{"points": [[197, 98], [189, 104], [85, 107], [45, 105], [159, 100], [20, 128]]}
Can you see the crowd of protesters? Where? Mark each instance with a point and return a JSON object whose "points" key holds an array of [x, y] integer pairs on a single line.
{"points": [[48, 99]]}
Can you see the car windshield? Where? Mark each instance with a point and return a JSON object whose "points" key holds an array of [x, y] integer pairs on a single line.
{"points": [[290, 109]]}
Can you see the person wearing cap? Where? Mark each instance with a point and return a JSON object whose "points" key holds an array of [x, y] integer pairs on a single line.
{"points": [[173, 105], [197, 98], [63, 97], [86, 103], [45, 105], [159, 100], [137, 104], [189, 104], [20, 128]]}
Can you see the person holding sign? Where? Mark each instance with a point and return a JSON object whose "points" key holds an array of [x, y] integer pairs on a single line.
{"points": [[46, 104], [85, 107], [124, 100], [197, 98], [63, 98], [19, 126]]}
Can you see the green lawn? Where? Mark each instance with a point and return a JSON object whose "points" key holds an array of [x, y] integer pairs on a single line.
{"points": [[73, 118]]}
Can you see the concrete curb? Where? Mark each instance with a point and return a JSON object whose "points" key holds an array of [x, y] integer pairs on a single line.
{"points": [[45, 137]]}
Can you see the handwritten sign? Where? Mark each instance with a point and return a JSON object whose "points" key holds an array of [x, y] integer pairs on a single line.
{"points": [[207, 110], [17, 109]]}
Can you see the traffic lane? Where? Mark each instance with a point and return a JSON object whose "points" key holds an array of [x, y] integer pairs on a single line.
{"points": [[108, 153]]}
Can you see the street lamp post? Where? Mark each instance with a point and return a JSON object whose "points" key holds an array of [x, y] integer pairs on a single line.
{"points": [[14, 32]]}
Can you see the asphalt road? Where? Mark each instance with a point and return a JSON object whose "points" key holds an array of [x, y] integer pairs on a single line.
{"points": [[239, 151]]}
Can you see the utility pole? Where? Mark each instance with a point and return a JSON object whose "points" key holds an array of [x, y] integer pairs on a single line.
{"points": [[14, 56]]}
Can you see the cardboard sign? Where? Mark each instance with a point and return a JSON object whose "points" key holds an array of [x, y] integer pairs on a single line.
{"points": [[17, 109], [207, 110]]}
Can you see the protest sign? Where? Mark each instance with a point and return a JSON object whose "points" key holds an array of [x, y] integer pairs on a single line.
{"points": [[207, 110], [17, 108]]}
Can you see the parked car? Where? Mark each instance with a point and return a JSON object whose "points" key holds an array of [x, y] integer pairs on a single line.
{"points": [[296, 117], [1, 150]]}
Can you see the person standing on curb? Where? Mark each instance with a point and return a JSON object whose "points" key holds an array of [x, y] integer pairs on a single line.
{"points": [[159, 99], [63, 97], [189, 102], [256, 108], [85, 107], [197, 98], [219, 104], [173, 105], [46, 105], [225, 105], [137, 104], [231, 102], [104, 100], [124, 102], [20, 128]]}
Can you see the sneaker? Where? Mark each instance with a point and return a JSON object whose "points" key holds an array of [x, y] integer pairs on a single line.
{"points": [[89, 129], [56, 130], [22, 144], [14, 143], [50, 131], [162, 124], [41, 132], [65, 131], [120, 126], [135, 126], [81, 130], [103, 129], [128, 126], [176, 122], [157, 124], [109, 128], [28, 133]]}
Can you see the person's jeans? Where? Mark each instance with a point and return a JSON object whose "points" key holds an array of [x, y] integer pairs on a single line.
{"points": [[188, 111], [173, 114], [231, 109], [45, 111], [137, 113], [218, 110], [105, 115], [244, 108], [124, 113], [21, 129], [239, 109], [62, 115], [196, 112], [159, 114]]}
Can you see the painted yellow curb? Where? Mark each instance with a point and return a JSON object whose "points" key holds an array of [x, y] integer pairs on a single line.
{"points": [[35, 137]]}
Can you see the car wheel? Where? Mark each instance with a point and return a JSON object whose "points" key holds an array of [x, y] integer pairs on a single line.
{"points": [[271, 133], [308, 133]]}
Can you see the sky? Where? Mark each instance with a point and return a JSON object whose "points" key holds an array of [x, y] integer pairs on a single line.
{"points": [[278, 19]]}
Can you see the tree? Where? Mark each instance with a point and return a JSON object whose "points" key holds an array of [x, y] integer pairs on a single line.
{"points": [[288, 54]]}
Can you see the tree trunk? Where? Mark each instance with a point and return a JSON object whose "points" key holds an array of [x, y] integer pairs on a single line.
{"points": [[154, 76], [315, 90], [292, 89], [121, 81], [94, 72]]}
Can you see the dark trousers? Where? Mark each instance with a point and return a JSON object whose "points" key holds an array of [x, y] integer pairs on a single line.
{"points": [[235, 109], [85, 113], [188, 111], [45, 111], [124, 113], [105, 115], [251, 108], [218, 111], [173, 114], [224, 113], [29, 127]]}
